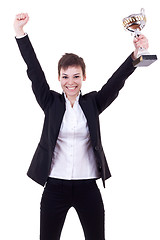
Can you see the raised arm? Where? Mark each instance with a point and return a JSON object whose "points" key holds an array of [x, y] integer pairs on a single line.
{"points": [[35, 73], [111, 89]]}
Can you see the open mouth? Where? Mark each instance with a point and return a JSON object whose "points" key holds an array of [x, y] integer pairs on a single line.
{"points": [[71, 88]]}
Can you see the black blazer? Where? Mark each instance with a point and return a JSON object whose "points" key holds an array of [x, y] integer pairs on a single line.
{"points": [[53, 105]]}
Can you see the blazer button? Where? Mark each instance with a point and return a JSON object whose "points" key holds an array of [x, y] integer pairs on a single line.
{"points": [[97, 148]]}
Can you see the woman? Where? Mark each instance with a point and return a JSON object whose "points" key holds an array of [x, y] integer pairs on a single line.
{"points": [[69, 157]]}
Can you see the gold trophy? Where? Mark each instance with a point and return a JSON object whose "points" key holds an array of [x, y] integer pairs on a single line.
{"points": [[135, 23]]}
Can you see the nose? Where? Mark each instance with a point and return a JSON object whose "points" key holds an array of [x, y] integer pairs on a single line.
{"points": [[70, 81]]}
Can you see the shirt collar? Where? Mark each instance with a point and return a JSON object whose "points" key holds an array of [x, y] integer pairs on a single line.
{"points": [[77, 98]]}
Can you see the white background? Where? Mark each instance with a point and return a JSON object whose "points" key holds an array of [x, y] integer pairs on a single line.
{"points": [[130, 126]]}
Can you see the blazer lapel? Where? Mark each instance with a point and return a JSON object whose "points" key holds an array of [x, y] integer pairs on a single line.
{"points": [[60, 110], [89, 112], [55, 119]]}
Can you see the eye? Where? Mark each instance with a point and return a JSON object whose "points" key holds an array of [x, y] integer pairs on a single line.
{"points": [[65, 77], [76, 76]]}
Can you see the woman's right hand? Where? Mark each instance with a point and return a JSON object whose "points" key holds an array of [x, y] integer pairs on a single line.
{"points": [[19, 22]]}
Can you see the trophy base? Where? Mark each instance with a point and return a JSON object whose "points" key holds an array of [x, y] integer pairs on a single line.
{"points": [[144, 60]]}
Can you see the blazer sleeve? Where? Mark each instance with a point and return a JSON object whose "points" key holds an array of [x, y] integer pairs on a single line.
{"points": [[110, 90], [35, 73]]}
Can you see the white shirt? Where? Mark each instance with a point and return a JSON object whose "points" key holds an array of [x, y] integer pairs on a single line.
{"points": [[73, 157]]}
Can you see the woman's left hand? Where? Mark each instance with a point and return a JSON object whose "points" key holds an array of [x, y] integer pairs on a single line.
{"points": [[140, 42]]}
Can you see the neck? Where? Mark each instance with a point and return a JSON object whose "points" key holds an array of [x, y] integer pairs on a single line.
{"points": [[72, 99]]}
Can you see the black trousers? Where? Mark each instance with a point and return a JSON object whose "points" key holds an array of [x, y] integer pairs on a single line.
{"points": [[59, 196]]}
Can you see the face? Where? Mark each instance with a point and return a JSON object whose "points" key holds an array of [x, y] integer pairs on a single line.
{"points": [[71, 81]]}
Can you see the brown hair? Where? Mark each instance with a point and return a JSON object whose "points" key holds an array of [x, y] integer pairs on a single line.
{"points": [[70, 59]]}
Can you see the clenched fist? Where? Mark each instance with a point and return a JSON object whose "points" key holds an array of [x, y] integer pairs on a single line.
{"points": [[19, 22], [140, 42]]}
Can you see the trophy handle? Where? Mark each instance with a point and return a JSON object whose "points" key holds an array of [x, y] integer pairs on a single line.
{"points": [[143, 11]]}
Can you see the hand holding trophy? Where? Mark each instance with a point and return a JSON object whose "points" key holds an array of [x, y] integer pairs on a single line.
{"points": [[135, 23]]}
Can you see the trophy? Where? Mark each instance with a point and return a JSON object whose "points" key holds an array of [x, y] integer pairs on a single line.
{"points": [[135, 23]]}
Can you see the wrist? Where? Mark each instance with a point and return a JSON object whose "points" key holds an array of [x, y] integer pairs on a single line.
{"points": [[19, 32], [134, 54]]}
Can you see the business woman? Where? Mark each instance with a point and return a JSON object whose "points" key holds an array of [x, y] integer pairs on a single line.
{"points": [[70, 157]]}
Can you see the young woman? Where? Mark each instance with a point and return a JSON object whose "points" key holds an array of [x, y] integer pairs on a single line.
{"points": [[69, 157]]}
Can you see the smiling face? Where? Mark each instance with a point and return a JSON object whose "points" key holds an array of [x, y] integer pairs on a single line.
{"points": [[71, 81]]}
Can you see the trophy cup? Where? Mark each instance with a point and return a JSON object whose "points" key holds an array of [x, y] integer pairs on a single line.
{"points": [[135, 23]]}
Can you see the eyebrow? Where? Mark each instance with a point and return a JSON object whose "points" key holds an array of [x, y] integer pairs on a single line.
{"points": [[73, 74]]}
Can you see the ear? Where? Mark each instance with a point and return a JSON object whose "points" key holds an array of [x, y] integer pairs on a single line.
{"points": [[58, 78], [84, 78]]}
